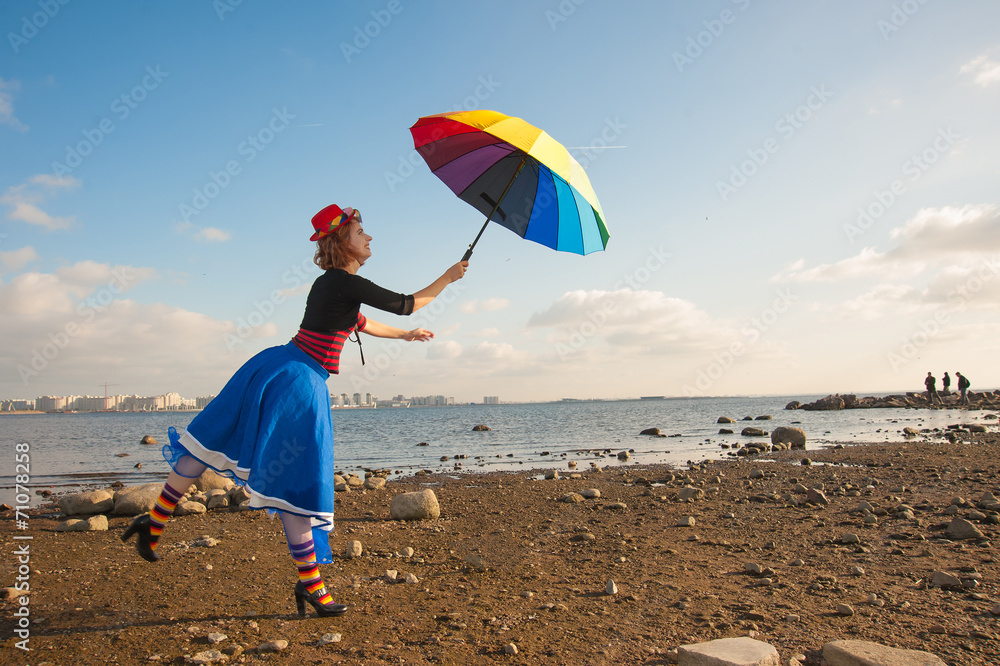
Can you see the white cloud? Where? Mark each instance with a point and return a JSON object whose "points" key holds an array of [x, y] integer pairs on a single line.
{"points": [[883, 300], [492, 332], [65, 331], [934, 236], [213, 235], [488, 305], [203, 234], [444, 349], [71, 289], [938, 233], [15, 260], [984, 69], [646, 320], [7, 117], [25, 201]]}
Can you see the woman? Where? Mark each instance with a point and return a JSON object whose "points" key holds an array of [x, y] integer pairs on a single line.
{"points": [[270, 427]]}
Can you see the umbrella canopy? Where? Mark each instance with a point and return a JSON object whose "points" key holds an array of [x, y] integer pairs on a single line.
{"points": [[516, 175]]}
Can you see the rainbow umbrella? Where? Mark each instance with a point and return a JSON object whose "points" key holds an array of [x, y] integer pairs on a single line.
{"points": [[516, 175]]}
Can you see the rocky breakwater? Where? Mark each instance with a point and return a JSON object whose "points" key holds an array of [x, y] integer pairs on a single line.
{"points": [[912, 400]]}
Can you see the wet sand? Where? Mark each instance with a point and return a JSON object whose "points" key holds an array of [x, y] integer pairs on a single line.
{"points": [[508, 563]]}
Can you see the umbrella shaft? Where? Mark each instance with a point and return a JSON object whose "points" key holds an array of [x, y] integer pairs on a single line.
{"points": [[468, 253]]}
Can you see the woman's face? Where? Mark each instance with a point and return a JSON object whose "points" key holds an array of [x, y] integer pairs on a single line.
{"points": [[358, 240]]}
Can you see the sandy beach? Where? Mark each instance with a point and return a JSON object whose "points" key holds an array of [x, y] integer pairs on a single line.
{"points": [[510, 564]]}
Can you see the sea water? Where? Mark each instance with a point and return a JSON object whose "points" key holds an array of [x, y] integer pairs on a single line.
{"points": [[73, 451]]}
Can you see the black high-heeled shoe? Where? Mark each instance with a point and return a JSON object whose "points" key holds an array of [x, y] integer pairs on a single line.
{"points": [[302, 595], [144, 543]]}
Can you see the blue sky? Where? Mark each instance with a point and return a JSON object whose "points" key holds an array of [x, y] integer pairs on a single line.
{"points": [[802, 196]]}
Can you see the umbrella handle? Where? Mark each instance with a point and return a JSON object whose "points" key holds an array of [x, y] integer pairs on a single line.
{"points": [[468, 254]]}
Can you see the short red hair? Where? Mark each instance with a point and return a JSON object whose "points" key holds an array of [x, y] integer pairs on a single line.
{"points": [[332, 251]]}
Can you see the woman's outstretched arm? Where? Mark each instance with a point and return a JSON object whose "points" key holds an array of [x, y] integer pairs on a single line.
{"points": [[379, 330], [431, 291]]}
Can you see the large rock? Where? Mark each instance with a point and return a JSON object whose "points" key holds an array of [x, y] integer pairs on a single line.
{"points": [[725, 419], [189, 507], [728, 652], [92, 524], [415, 506], [753, 432], [794, 404], [796, 437], [87, 504], [863, 653], [830, 402], [375, 483], [134, 500], [212, 480], [960, 528]]}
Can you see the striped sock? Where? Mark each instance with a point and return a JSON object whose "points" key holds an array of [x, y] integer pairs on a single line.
{"points": [[304, 556], [161, 513]]}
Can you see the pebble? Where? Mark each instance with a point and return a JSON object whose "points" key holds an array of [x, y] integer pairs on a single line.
{"points": [[611, 588], [326, 639], [510, 648], [354, 549], [206, 657], [272, 646], [845, 609], [858, 571], [686, 521], [216, 637]]}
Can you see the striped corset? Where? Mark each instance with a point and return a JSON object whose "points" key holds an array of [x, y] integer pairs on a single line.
{"points": [[325, 348]]}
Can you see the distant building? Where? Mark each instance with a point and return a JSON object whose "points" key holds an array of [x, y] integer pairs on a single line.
{"points": [[50, 403], [491, 400], [17, 405], [201, 402]]}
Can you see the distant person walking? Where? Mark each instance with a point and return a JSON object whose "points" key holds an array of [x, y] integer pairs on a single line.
{"points": [[931, 383], [946, 384], [271, 428], [963, 388]]}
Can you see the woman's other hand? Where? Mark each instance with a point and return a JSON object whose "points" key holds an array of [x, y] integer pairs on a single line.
{"points": [[418, 335]]}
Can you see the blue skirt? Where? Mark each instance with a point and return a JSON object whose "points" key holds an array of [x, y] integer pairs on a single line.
{"points": [[270, 428]]}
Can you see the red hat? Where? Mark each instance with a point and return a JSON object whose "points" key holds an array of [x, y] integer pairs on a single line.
{"points": [[330, 219]]}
